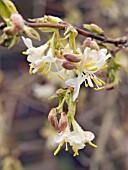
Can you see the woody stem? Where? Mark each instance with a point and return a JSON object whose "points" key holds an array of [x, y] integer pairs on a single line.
{"points": [[117, 41]]}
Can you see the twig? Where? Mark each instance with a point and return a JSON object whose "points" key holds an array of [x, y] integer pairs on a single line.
{"points": [[117, 41]]}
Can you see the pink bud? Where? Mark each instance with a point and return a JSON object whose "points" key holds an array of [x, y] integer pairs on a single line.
{"points": [[87, 42], [18, 22], [63, 122], [52, 118], [72, 57], [69, 66], [94, 45]]}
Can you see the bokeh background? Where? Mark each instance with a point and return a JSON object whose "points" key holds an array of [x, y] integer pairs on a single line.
{"points": [[26, 139]]}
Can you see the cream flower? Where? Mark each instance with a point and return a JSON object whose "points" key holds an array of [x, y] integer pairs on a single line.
{"points": [[34, 53], [92, 61], [78, 138], [42, 60], [48, 64], [62, 138]]}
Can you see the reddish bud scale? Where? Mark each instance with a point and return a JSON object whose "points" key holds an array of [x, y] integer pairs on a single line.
{"points": [[69, 66], [63, 122], [72, 57], [52, 118]]}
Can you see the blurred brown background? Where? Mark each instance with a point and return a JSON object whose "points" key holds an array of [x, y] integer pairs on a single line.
{"points": [[24, 105]]}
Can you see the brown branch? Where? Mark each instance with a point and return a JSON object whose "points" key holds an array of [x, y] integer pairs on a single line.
{"points": [[121, 41]]}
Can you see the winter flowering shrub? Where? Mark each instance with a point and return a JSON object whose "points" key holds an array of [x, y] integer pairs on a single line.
{"points": [[62, 57]]}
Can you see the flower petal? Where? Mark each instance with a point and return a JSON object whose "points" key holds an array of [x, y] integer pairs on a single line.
{"points": [[88, 136], [27, 42]]}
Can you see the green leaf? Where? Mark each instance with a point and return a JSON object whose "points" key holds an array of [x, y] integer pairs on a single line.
{"points": [[32, 33], [7, 8]]}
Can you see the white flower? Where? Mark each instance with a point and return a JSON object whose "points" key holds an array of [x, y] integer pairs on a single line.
{"points": [[92, 62], [48, 64], [78, 138], [34, 53], [62, 138], [42, 59]]}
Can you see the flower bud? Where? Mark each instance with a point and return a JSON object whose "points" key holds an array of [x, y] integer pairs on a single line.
{"points": [[69, 66], [18, 22], [52, 118], [63, 122], [72, 57], [87, 42], [94, 45]]}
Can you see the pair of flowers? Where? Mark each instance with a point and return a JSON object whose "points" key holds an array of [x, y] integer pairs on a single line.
{"points": [[91, 61], [78, 138]]}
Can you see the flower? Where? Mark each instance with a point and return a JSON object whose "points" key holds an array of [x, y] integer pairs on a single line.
{"points": [[76, 138], [92, 61], [42, 59], [62, 138], [34, 53]]}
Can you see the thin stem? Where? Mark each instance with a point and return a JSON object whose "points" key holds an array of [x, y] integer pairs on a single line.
{"points": [[117, 41]]}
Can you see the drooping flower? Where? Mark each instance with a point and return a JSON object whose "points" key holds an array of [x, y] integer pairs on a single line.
{"points": [[79, 138], [92, 61], [62, 138]]}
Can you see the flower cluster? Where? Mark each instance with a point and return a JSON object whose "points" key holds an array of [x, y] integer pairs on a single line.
{"points": [[92, 61], [60, 56], [68, 130], [84, 64]]}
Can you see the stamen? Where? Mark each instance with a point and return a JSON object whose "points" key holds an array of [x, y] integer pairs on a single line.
{"points": [[66, 149], [42, 67], [47, 72], [86, 84], [104, 67], [61, 77], [59, 148], [30, 69], [90, 82], [25, 53], [77, 72], [101, 81], [75, 151], [97, 82], [92, 144], [99, 88], [89, 64], [93, 69]]}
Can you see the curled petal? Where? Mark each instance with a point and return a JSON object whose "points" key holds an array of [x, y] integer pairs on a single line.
{"points": [[27, 42]]}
